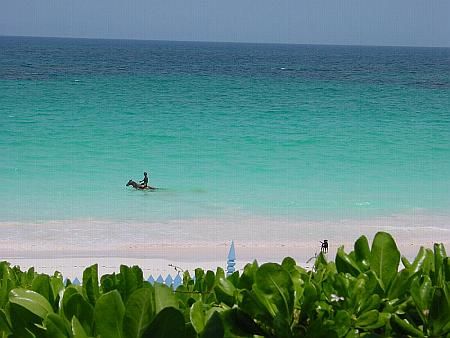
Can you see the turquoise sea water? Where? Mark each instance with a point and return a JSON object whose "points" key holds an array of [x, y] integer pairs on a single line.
{"points": [[285, 131]]}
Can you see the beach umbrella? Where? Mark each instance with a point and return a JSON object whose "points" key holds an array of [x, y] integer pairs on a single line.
{"points": [[231, 260]]}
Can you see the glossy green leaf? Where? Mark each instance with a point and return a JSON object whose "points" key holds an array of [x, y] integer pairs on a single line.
{"points": [[281, 326], [189, 331], [139, 312], [289, 264], [405, 262], [321, 262], [130, 279], [164, 297], [342, 286], [32, 301], [237, 323], [403, 327], [109, 282], [168, 323], [28, 277], [428, 262], [251, 304], [294, 270], [5, 323], [77, 329], [342, 322], [234, 278], [225, 291], [248, 276], [56, 326], [439, 272], [23, 322], [422, 293], [373, 284], [5, 272], [91, 284], [57, 286], [362, 253], [385, 258], [382, 322], [416, 265], [75, 305], [197, 316], [274, 288], [199, 280], [310, 295], [371, 303], [214, 327], [41, 285], [400, 285], [446, 264], [5, 287], [439, 311], [210, 279], [345, 264], [367, 319], [108, 313], [69, 291], [296, 276], [187, 278]]}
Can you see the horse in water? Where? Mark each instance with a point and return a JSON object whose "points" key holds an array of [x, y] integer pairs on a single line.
{"points": [[138, 186]]}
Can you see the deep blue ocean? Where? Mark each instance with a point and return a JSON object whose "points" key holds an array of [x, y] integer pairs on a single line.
{"points": [[282, 131]]}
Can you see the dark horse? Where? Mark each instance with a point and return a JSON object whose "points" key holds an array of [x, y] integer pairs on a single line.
{"points": [[139, 186], [324, 246]]}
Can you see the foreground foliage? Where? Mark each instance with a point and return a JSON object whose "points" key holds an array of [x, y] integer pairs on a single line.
{"points": [[361, 293]]}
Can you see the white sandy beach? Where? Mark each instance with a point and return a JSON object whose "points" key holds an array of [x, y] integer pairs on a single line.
{"points": [[70, 246]]}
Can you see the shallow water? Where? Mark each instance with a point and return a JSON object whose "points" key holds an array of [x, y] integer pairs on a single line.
{"points": [[295, 133]]}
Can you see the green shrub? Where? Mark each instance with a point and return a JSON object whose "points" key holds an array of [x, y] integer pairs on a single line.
{"points": [[361, 293]]}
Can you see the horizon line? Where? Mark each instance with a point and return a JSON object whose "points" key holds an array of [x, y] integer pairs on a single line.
{"points": [[209, 41]]}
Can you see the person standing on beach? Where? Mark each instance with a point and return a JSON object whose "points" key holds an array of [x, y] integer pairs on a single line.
{"points": [[144, 181]]}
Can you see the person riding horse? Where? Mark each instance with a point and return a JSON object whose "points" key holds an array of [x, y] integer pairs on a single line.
{"points": [[140, 186]]}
